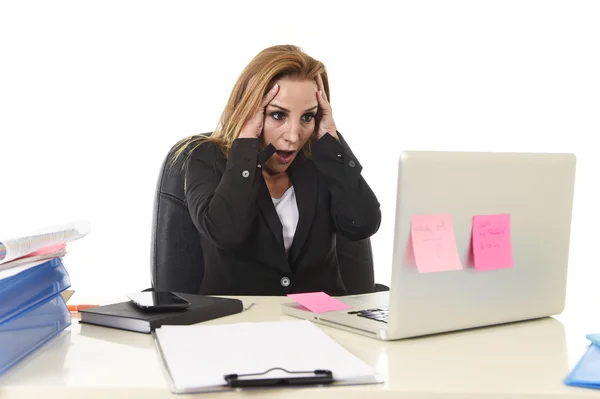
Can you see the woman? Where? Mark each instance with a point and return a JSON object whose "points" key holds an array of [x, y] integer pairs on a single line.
{"points": [[270, 188]]}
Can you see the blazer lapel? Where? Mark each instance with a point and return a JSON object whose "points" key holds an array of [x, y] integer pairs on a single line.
{"points": [[306, 188], [265, 204]]}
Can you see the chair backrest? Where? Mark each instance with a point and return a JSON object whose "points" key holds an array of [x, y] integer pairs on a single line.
{"points": [[177, 263]]}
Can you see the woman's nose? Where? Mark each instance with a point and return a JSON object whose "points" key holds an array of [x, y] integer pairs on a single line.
{"points": [[292, 133]]}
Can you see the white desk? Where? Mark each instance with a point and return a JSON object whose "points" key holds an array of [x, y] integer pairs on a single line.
{"points": [[528, 359]]}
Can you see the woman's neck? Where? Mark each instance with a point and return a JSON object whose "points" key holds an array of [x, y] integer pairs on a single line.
{"points": [[277, 183]]}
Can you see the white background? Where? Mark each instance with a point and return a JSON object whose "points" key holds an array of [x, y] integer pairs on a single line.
{"points": [[94, 93]]}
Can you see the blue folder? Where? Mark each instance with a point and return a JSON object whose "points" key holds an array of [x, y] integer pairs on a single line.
{"points": [[594, 338], [31, 329], [32, 311], [31, 287], [586, 372]]}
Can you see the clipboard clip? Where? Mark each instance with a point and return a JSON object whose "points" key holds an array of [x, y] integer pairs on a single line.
{"points": [[295, 378]]}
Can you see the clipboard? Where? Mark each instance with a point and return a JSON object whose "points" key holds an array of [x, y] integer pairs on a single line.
{"points": [[294, 378], [283, 354]]}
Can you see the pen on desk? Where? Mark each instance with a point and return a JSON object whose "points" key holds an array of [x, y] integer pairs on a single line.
{"points": [[77, 308]]}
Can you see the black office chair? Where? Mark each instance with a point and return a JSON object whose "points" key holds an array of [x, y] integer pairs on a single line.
{"points": [[177, 263]]}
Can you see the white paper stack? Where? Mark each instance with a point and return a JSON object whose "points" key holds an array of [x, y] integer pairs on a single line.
{"points": [[197, 357]]}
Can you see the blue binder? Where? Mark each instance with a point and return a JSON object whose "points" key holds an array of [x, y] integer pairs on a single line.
{"points": [[31, 287], [586, 372], [32, 311], [31, 329], [594, 338]]}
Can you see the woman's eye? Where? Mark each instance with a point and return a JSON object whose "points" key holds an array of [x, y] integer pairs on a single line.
{"points": [[277, 115], [308, 117]]}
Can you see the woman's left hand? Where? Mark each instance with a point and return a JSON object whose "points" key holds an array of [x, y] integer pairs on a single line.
{"points": [[326, 123]]}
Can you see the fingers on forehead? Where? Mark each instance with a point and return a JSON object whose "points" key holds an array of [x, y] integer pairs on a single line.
{"points": [[269, 96]]}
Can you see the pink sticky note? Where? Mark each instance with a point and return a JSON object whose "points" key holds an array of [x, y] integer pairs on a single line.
{"points": [[49, 250], [492, 248], [319, 302], [434, 244]]}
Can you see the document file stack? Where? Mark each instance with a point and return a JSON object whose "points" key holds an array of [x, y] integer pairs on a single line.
{"points": [[32, 277]]}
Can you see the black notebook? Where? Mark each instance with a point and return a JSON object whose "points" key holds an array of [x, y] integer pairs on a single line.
{"points": [[127, 316]]}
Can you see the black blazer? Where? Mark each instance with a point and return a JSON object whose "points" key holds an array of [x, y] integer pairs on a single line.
{"points": [[240, 231]]}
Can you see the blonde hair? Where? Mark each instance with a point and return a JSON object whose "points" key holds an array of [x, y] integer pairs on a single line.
{"points": [[259, 76]]}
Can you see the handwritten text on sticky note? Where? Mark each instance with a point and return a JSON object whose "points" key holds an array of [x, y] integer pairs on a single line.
{"points": [[318, 302], [492, 248], [434, 244]]}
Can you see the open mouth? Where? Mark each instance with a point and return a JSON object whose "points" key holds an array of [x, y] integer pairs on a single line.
{"points": [[285, 156]]}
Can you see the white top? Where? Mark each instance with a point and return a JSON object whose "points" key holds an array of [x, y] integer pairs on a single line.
{"points": [[287, 209]]}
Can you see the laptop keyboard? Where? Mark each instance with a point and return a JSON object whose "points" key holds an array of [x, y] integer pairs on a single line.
{"points": [[377, 314]]}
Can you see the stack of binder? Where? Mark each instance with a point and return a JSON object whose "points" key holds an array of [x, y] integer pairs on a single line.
{"points": [[32, 277]]}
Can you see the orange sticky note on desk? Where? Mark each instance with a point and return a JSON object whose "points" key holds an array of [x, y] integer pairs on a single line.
{"points": [[319, 302], [492, 247], [434, 243]]}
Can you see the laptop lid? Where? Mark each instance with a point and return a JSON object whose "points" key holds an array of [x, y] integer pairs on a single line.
{"points": [[534, 189]]}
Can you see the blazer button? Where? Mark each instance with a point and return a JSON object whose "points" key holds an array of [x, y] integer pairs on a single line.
{"points": [[285, 282], [351, 164], [245, 173]]}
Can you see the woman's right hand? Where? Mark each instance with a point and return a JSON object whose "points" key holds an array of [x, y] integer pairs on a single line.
{"points": [[254, 126]]}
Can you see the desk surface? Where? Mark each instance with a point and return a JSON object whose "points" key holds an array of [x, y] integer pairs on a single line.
{"points": [[527, 359]]}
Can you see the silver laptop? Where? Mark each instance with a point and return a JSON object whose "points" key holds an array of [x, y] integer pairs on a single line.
{"points": [[536, 189]]}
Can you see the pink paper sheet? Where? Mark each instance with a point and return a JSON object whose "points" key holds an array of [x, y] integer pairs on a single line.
{"points": [[319, 302]]}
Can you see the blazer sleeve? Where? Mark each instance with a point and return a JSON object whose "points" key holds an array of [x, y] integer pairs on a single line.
{"points": [[355, 210], [222, 205]]}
